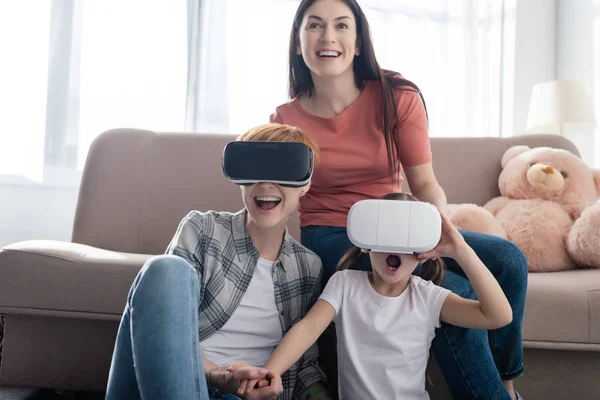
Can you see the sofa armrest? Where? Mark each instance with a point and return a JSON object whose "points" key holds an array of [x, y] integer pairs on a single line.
{"points": [[44, 277]]}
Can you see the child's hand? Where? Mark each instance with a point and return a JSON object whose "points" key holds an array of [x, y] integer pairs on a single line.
{"points": [[259, 389], [450, 244], [239, 372]]}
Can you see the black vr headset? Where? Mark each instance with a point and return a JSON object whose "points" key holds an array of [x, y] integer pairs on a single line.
{"points": [[288, 164]]}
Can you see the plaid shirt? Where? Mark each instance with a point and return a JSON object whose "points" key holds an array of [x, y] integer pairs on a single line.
{"points": [[217, 244]]}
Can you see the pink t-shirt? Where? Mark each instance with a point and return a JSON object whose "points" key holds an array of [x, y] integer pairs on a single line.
{"points": [[354, 163]]}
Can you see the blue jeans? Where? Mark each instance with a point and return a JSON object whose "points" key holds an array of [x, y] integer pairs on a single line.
{"points": [[474, 362], [157, 352]]}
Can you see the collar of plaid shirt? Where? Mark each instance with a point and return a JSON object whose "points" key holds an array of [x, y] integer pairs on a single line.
{"points": [[243, 243]]}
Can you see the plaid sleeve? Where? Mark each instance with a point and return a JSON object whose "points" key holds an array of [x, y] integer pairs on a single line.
{"points": [[186, 242], [309, 371]]}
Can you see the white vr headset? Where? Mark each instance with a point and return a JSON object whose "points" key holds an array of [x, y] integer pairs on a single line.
{"points": [[394, 226]]}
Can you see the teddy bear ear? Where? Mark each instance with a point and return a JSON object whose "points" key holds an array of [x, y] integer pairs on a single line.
{"points": [[512, 152]]}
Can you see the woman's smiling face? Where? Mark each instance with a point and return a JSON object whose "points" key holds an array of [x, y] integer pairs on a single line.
{"points": [[328, 38]]}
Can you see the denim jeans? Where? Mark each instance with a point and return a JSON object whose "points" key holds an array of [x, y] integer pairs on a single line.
{"points": [[157, 352], [474, 362]]}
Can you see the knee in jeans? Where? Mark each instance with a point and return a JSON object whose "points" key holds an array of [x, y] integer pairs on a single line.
{"points": [[161, 280], [164, 268], [459, 285], [513, 261], [467, 292]]}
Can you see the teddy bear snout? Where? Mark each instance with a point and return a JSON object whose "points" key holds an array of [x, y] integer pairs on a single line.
{"points": [[545, 178], [548, 169]]}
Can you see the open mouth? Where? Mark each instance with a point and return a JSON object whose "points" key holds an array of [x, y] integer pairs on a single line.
{"points": [[328, 54], [393, 262], [267, 203]]}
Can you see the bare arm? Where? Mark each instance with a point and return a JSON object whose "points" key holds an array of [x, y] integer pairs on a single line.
{"points": [[303, 335], [216, 377], [208, 365], [492, 311], [425, 187]]}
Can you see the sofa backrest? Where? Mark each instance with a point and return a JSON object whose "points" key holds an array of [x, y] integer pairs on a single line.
{"points": [[137, 184]]}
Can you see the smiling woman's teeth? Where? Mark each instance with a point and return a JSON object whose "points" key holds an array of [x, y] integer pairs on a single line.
{"points": [[267, 202], [328, 54]]}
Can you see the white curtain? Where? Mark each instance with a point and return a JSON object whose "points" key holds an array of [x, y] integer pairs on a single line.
{"points": [[72, 69], [459, 52]]}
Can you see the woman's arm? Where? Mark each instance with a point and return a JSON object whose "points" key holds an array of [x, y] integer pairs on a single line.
{"points": [[220, 378], [414, 149], [425, 187], [213, 373], [491, 311]]}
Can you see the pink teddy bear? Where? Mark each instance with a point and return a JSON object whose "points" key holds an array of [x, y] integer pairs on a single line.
{"points": [[548, 207]]}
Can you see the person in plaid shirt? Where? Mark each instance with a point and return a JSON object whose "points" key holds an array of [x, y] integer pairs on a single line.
{"points": [[210, 312]]}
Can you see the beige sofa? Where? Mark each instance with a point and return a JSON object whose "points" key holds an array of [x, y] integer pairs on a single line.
{"points": [[63, 301]]}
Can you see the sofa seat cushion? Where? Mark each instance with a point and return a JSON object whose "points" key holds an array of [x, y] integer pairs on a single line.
{"points": [[563, 307], [44, 277]]}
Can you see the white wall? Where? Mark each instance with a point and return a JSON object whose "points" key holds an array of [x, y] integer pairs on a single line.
{"points": [[535, 54], [575, 60], [555, 40]]}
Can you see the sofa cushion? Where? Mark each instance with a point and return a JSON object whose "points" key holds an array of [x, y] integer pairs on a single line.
{"points": [[563, 307], [44, 277]]}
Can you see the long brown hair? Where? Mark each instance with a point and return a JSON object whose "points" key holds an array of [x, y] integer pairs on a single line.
{"points": [[366, 68], [432, 270]]}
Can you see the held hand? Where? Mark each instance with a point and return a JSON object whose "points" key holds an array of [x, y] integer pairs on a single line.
{"points": [[261, 389], [238, 372], [265, 385], [451, 242]]}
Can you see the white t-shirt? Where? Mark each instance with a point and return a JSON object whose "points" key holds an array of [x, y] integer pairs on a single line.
{"points": [[254, 330], [383, 342]]}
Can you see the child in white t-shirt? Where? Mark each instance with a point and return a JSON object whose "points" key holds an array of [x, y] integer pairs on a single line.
{"points": [[385, 319]]}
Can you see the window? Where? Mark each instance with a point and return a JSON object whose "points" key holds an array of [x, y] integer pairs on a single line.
{"points": [[72, 69], [460, 53], [78, 68], [23, 83], [133, 67]]}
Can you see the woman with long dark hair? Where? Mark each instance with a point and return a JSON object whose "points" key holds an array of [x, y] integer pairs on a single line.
{"points": [[371, 124]]}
